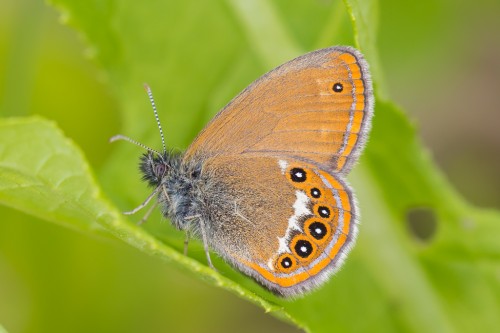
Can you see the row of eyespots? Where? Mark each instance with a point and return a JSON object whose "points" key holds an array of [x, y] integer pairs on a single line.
{"points": [[316, 229], [305, 246], [299, 175]]}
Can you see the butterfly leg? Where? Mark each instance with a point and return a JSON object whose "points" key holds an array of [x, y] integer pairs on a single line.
{"points": [[167, 197], [186, 243], [148, 213], [205, 244], [144, 204]]}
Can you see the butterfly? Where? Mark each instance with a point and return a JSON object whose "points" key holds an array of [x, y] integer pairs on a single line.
{"points": [[264, 184]]}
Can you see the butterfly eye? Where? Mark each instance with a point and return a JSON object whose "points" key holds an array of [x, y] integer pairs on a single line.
{"points": [[338, 87], [159, 169]]}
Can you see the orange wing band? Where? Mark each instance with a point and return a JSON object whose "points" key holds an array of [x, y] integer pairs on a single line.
{"points": [[288, 281]]}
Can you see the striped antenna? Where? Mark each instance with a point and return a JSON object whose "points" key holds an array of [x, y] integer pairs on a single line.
{"points": [[126, 138], [151, 99]]}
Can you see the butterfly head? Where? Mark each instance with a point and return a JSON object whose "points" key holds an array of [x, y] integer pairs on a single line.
{"points": [[153, 168]]}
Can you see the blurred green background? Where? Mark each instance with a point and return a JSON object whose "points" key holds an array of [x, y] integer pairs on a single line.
{"points": [[441, 63]]}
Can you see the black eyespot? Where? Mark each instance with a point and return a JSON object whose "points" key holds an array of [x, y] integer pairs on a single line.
{"points": [[195, 174], [303, 248], [286, 262], [317, 230], [338, 87], [324, 212], [298, 175], [315, 193]]}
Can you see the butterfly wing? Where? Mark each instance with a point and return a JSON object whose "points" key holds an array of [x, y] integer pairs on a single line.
{"points": [[286, 223], [316, 107]]}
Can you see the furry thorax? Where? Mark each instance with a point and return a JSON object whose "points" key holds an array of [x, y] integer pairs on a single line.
{"points": [[185, 191]]}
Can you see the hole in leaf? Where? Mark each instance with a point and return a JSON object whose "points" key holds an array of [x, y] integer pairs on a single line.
{"points": [[422, 223]]}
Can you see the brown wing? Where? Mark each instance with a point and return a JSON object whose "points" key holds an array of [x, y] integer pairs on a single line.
{"points": [[284, 222], [316, 108]]}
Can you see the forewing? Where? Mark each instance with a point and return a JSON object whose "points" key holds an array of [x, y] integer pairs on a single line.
{"points": [[315, 108]]}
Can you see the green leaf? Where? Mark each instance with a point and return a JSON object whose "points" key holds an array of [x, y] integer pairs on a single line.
{"points": [[41, 170], [364, 15], [196, 56], [46, 175]]}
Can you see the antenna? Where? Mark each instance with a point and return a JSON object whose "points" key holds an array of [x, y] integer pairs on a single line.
{"points": [[126, 138], [151, 99]]}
